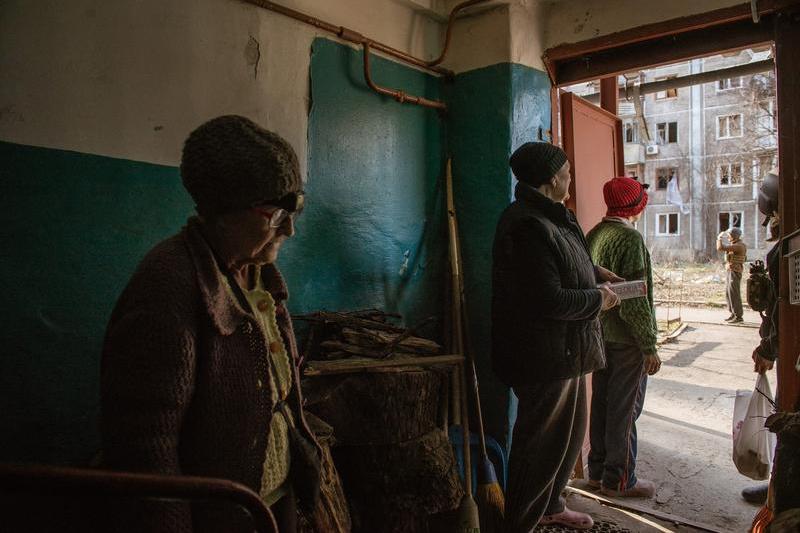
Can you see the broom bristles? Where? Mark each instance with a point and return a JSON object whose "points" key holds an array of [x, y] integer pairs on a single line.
{"points": [[468, 519], [490, 499]]}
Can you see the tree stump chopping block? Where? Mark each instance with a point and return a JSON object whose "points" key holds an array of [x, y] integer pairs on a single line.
{"points": [[379, 408], [396, 487]]}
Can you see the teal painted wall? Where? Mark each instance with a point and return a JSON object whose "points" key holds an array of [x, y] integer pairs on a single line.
{"points": [[76, 225], [492, 110], [374, 192], [74, 228]]}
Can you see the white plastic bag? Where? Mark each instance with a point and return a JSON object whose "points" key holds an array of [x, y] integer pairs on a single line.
{"points": [[753, 444]]}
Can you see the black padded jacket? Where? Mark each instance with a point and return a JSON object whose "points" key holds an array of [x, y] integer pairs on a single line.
{"points": [[545, 301]]}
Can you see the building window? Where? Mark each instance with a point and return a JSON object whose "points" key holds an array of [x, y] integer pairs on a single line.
{"points": [[667, 132], [667, 93], [729, 175], [729, 126], [730, 219], [756, 170], [765, 123], [729, 83], [663, 177], [631, 132], [668, 224]]}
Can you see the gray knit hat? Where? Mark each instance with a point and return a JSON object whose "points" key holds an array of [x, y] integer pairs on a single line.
{"points": [[536, 162], [231, 163]]}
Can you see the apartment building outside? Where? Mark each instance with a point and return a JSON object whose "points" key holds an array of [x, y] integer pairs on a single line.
{"points": [[703, 150]]}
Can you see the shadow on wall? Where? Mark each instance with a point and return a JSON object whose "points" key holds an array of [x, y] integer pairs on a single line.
{"points": [[75, 227]]}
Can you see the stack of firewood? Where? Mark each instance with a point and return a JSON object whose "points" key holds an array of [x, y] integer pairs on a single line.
{"points": [[339, 335]]}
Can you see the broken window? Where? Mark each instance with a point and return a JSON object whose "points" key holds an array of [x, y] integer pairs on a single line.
{"points": [[729, 83], [663, 177], [729, 174], [667, 93], [765, 123], [667, 224], [667, 132], [631, 132], [729, 126], [730, 219]]}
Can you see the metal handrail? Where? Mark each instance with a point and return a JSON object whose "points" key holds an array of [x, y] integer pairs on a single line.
{"points": [[83, 481]]}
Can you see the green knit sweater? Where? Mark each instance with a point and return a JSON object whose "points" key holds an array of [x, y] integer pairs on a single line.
{"points": [[620, 248]]}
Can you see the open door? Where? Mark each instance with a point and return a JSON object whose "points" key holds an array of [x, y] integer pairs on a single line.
{"points": [[592, 138], [593, 141]]}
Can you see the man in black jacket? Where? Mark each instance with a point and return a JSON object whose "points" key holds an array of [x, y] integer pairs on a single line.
{"points": [[545, 334], [766, 352]]}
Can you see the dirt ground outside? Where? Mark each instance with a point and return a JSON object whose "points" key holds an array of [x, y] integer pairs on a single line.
{"points": [[693, 284], [685, 429]]}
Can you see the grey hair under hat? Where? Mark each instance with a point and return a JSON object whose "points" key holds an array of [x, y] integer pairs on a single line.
{"points": [[231, 163], [536, 162]]}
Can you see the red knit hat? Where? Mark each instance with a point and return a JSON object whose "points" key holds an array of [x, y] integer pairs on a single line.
{"points": [[625, 197]]}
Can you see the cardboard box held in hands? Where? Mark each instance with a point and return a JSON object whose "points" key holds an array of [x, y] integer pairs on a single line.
{"points": [[629, 289]]}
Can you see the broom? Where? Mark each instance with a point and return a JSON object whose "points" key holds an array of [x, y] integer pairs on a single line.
{"points": [[468, 517], [490, 500]]}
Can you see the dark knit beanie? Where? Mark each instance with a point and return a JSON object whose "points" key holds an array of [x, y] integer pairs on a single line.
{"points": [[231, 163], [625, 197], [536, 162]]}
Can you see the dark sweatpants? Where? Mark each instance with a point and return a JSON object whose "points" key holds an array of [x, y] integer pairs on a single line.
{"points": [[547, 440], [733, 293], [617, 399]]}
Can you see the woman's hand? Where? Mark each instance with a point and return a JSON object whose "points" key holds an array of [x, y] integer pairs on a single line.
{"points": [[760, 364], [610, 298], [604, 274], [652, 363]]}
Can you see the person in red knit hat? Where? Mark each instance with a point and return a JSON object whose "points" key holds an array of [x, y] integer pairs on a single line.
{"points": [[629, 332]]}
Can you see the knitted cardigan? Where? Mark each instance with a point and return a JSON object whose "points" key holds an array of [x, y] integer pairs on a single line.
{"points": [[184, 383], [618, 247]]}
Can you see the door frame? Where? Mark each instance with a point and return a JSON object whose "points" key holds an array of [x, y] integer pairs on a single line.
{"points": [[685, 38]]}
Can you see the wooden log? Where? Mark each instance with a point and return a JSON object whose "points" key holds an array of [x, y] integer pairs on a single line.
{"points": [[361, 365], [393, 488], [332, 514], [378, 409]]}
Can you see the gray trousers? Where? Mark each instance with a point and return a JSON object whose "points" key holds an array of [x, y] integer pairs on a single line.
{"points": [[617, 399], [547, 440], [733, 293]]}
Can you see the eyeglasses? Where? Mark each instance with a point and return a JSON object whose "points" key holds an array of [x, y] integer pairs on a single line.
{"points": [[276, 216]]}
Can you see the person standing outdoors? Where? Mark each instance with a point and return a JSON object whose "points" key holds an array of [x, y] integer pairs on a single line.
{"points": [[735, 256], [545, 335], [630, 345], [766, 353]]}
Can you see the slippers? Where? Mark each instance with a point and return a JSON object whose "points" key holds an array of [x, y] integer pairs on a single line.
{"points": [[568, 518]]}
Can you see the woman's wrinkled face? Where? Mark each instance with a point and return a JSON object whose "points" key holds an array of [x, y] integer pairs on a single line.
{"points": [[270, 234], [258, 235], [560, 183]]}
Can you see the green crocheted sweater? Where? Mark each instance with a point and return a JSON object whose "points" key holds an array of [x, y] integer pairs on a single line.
{"points": [[620, 248]]}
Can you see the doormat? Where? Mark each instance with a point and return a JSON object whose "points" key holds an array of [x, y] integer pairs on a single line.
{"points": [[600, 526]]}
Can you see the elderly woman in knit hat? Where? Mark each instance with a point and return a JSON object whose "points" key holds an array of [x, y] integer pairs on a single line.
{"points": [[199, 366], [545, 335], [629, 332]]}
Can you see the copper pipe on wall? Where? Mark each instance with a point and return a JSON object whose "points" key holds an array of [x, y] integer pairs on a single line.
{"points": [[350, 35], [42, 481], [397, 94], [451, 19]]}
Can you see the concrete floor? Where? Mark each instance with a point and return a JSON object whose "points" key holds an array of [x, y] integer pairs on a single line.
{"points": [[685, 430]]}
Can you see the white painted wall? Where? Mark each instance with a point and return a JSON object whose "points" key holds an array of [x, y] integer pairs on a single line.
{"points": [[131, 79], [571, 21], [499, 32]]}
